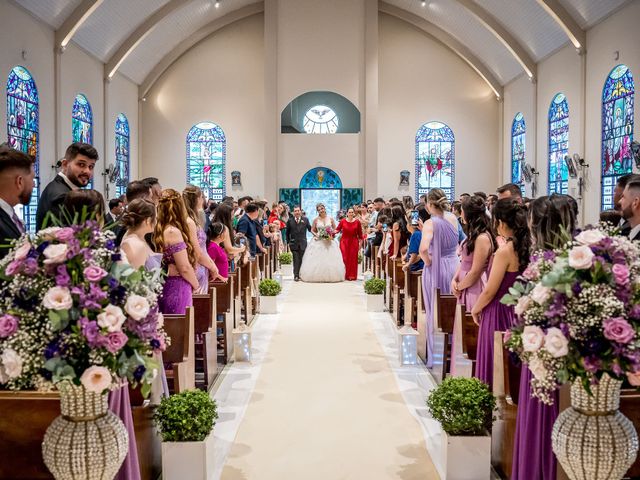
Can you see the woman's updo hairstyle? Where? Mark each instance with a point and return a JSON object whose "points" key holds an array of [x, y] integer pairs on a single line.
{"points": [[437, 198], [318, 207], [514, 216], [137, 212]]}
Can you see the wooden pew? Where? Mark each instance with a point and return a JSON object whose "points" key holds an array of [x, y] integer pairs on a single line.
{"points": [[245, 291], [421, 318], [444, 311], [206, 350], [179, 356], [224, 319], [411, 282], [376, 262], [470, 340], [398, 291], [236, 295], [388, 277]]}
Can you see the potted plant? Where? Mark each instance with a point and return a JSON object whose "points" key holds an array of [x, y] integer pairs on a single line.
{"points": [[374, 289], [185, 421], [268, 290], [286, 264], [464, 408]]}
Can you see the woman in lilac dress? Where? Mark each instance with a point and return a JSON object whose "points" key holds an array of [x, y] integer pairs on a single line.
{"points": [[510, 222], [438, 252], [533, 457]]}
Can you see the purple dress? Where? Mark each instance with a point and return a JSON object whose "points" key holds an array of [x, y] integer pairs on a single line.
{"points": [[496, 317], [533, 457], [202, 274], [120, 405], [177, 293], [439, 274]]}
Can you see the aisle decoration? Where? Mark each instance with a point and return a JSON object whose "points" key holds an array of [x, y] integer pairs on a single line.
{"points": [[74, 318], [374, 288], [579, 310], [269, 289]]}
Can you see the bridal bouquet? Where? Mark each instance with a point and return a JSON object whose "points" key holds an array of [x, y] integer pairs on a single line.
{"points": [[70, 311], [325, 233], [579, 311]]}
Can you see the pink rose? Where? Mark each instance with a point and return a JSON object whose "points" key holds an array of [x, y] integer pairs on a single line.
{"points": [[523, 304], [94, 274], [55, 253], [65, 234], [507, 336], [22, 251], [618, 330], [556, 343], [634, 378], [532, 338], [590, 237], [620, 274], [531, 272], [581, 258], [115, 341], [8, 325], [13, 267]]}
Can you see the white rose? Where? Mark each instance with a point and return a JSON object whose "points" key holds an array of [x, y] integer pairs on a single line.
{"points": [[58, 298], [112, 318], [4, 378], [589, 237], [580, 257], [22, 251], [556, 343], [137, 307], [49, 233], [532, 338], [96, 379], [537, 368], [523, 304], [56, 253], [540, 294], [11, 363], [160, 320]]}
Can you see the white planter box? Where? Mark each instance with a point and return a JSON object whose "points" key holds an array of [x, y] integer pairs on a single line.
{"points": [[287, 270], [466, 458], [268, 304], [192, 460], [375, 303]]}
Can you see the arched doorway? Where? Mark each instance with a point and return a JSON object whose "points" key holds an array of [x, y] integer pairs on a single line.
{"points": [[321, 185]]}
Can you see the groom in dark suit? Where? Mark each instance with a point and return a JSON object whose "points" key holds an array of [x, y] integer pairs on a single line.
{"points": [[297, 228]]}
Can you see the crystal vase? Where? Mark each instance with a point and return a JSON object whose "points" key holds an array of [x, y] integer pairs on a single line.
{"points": [[592, 439], [86, 441]]}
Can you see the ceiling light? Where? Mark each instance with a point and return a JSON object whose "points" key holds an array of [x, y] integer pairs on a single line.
{"points": [[424, 3], [217, 5]]}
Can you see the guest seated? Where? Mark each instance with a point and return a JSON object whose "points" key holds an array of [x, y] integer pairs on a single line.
{"points": [[215, 236]]}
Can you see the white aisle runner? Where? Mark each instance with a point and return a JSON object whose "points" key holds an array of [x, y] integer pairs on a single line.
{"points": [[325, 403]]}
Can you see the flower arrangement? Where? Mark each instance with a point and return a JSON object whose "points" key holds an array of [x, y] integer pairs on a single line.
{"points": [[69, 310], [325, 233], [579, 311]]}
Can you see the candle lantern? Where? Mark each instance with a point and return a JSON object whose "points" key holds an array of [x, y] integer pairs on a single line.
{"points": [[242, 343], [368, 275], [408, 345], [277, 276]]}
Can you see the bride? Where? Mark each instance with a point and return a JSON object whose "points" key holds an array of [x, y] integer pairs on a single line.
{"points": [[322, 261]]}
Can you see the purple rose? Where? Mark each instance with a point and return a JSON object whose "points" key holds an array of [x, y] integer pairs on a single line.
{"points": [[94, 273], [620, 274], [91, 331], [13, 267], [62, 278], [65, 234], [115, 341], [618, 330], [30, 266], [8, 325], [635, 312], [591, 364]]}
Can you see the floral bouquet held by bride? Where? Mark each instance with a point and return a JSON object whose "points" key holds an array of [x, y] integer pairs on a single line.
{"points": [[325, 233]]}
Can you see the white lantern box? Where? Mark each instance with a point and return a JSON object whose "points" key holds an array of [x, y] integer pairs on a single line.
{"points": [[466, 458], [368, 275], [287, 270], [375, 303], [408, 345], [192, 460], [277, 276], [242, 343]]}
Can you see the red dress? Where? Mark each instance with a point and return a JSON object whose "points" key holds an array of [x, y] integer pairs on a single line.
{"points": [[349, 246]]}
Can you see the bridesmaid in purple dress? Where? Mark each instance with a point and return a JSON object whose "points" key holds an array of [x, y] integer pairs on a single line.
{"points": [[533, 457], [438, 251], [510, 222]]}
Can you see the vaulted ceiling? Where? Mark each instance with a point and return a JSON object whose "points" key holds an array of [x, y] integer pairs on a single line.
{"points": [[500, 39]]}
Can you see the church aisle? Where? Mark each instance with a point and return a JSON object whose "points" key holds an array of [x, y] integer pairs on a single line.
{"points": [[326, 404]]}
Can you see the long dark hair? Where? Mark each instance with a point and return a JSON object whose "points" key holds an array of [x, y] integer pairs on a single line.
{"points": [[477, 222], [552, 220], [514, 216], [224, 214]]}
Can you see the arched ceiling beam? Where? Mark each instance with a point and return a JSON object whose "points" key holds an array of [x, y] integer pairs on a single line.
{"points": [[139, 35], [74, 21], [503, 36], [448, 41], [555, 9]]}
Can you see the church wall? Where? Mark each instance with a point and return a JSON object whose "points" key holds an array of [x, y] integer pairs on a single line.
{"points": [[422, 81], [220, 80]]}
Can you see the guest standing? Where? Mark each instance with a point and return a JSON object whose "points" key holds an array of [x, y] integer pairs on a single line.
{"points": [[247, 226], [438, 251], [82, 205], [215, 236], [171, 236], [116, 208], [138, 221], [297, 228], [350, 243], [224, 214], [510, 222]]}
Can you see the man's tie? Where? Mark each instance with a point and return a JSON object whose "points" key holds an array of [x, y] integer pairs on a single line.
{"points": [[18, 222]]}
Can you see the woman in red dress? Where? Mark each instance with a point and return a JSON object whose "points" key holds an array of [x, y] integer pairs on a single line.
{"points": [[350, 243]]}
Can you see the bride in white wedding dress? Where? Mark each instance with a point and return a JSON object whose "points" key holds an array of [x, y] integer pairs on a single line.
{"points": [[322, 261]]}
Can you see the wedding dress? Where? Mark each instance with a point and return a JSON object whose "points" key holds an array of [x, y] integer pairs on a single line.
{"points": [[322, 261]]}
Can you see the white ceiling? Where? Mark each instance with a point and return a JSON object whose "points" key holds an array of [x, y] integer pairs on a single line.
{"points": [[114, 21]]}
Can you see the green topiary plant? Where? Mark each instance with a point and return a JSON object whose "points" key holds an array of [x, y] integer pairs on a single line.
{"points": [[187, 416], [269, 288], [285, 258], [463, 406], [375, 286]]}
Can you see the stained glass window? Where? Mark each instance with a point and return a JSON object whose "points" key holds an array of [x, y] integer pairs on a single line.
{"points": [[206, 154], [617, 130], [518, 130], [122, 154], [82, 123], [435, 159], [558, 145], [22, 130], [320, 119]]}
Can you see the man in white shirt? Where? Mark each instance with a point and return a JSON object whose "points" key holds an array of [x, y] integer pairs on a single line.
{"points": [[630, 207]]}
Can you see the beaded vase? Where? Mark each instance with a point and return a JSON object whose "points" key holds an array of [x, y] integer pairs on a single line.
{"points": [[592, 439], [86, 441]]}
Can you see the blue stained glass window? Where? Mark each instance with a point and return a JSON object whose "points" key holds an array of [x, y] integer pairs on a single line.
{"points": [[558, 144], [435, 159], [22, 130], [518, 148], [122, 154], [617, 130], [321, 177], [206, 156], [82, 123]]}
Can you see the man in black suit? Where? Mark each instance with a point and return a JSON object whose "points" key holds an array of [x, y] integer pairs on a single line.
{"points": [[297, 228], [116, 209], [630, 207], [16, 185], [76, 172]]}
